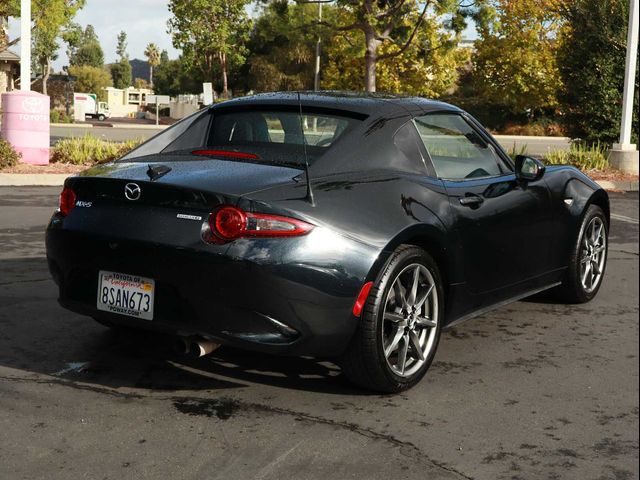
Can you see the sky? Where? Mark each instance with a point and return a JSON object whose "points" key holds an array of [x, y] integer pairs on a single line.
{"points": [[145, 21]]}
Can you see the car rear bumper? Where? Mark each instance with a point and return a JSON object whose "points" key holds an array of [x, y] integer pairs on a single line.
{"points": [[293, 306]]}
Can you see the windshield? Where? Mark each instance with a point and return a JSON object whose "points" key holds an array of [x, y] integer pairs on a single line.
{"points": [[262, 135]]}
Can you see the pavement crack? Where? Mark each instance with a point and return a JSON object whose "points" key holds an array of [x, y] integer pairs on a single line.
{"points": [[75, 385], [365, 432], [24, 281], [256, 407], [626, 252]]}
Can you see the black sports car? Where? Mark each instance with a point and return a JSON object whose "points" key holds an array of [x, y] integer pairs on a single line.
{"points": [[326, 224]]}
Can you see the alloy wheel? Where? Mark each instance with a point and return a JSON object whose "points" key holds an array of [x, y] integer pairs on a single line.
{"points": [[410, 319], [593, 254]]}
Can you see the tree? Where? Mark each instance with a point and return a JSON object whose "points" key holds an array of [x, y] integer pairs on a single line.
{"points": [[121, 71], [429, 66], [140, 83], [90, 79], [515, 59], [153, 57], [394, 24], [282, 46], [121, 74], [84, 47], [592, 66], [8, 8], [209, 32], [53, 17], [121, 47], [172, 77]]}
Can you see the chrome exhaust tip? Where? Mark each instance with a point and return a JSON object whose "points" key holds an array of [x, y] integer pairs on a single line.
{"points": [[202, 347]]}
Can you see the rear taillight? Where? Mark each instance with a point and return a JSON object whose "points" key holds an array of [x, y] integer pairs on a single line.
{"points": [[67, 201], [229, 223]]}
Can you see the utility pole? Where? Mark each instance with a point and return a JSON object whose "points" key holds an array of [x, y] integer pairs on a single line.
{"points": [[316, 70], [25, 45], [316, 77], [624, 155]]}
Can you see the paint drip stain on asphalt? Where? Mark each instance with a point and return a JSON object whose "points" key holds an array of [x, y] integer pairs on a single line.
{"points": [[221, 408]]}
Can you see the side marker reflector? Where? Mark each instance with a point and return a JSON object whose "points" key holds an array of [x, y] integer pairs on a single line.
{"points": [[362, 298]]}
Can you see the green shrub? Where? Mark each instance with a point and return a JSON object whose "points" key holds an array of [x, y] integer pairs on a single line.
{"points": [[8, 156], [57, 116], [515, 151], [583, 156], [90, 150]]}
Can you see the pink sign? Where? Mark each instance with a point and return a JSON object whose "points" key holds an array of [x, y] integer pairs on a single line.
{"points": [[25, 125]]}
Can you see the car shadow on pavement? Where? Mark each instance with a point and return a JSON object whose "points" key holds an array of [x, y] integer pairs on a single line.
{"points": [[41, 337]]}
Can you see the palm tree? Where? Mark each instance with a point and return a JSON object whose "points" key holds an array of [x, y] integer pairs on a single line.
{"points": [[153, 57]]}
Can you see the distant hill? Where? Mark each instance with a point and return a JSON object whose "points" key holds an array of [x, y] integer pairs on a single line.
{"points": [[139, 69]]}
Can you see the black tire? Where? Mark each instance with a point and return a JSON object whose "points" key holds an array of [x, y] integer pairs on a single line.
{"points": [[101, 118], [572, 289], [364, 363]]}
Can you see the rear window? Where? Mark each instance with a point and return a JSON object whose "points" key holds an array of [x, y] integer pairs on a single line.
{"points": [[270, 135]]}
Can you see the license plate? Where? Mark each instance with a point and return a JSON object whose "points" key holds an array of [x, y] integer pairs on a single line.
{"points": [[126, 294]]}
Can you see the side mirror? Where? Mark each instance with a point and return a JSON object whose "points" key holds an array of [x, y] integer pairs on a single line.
{"points": [[529, 169]]}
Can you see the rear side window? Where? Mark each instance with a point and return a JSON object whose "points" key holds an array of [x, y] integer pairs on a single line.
{"points": [[456, 149]]}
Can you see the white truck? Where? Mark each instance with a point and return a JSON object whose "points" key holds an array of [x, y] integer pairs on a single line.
{"points": [[87, 105]]}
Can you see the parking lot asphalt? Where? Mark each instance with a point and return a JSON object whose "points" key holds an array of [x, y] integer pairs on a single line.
{"points": [[535, 390]]}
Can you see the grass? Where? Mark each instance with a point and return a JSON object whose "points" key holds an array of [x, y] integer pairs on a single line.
{"points": [[90, 150], [580, 155]]}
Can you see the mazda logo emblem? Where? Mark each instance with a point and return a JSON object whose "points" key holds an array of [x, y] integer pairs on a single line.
{"points": [[132, 191]]}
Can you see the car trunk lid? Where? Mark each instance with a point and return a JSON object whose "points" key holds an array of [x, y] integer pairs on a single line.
{"points": [[121, 201]]}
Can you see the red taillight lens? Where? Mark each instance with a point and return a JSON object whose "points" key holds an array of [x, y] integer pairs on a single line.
{"points": [[67, 201], [229, 223]]}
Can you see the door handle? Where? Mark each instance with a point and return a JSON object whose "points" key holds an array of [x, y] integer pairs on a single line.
{"points": [[471, 201]]}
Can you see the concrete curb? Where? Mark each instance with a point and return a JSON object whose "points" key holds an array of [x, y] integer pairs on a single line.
{"points": [[57, 179], [33, 179], [129, 126], [72, 125], [138, 126], [629, 186]]}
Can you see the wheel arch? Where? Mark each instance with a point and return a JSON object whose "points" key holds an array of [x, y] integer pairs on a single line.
{"points": [[431, 239], [585, 192], [600, 198]]}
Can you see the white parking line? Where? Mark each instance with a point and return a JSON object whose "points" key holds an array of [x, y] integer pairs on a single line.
{"points": [[622, 218]]}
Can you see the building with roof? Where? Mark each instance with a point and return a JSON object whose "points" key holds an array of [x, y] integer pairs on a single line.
{"points": [[9, 70]]}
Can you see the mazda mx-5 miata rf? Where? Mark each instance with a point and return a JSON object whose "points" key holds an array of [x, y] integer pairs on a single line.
{"points": [[337, 225]]}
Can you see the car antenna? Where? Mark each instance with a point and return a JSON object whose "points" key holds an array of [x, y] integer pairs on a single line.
{"points": [[309, 196]]}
